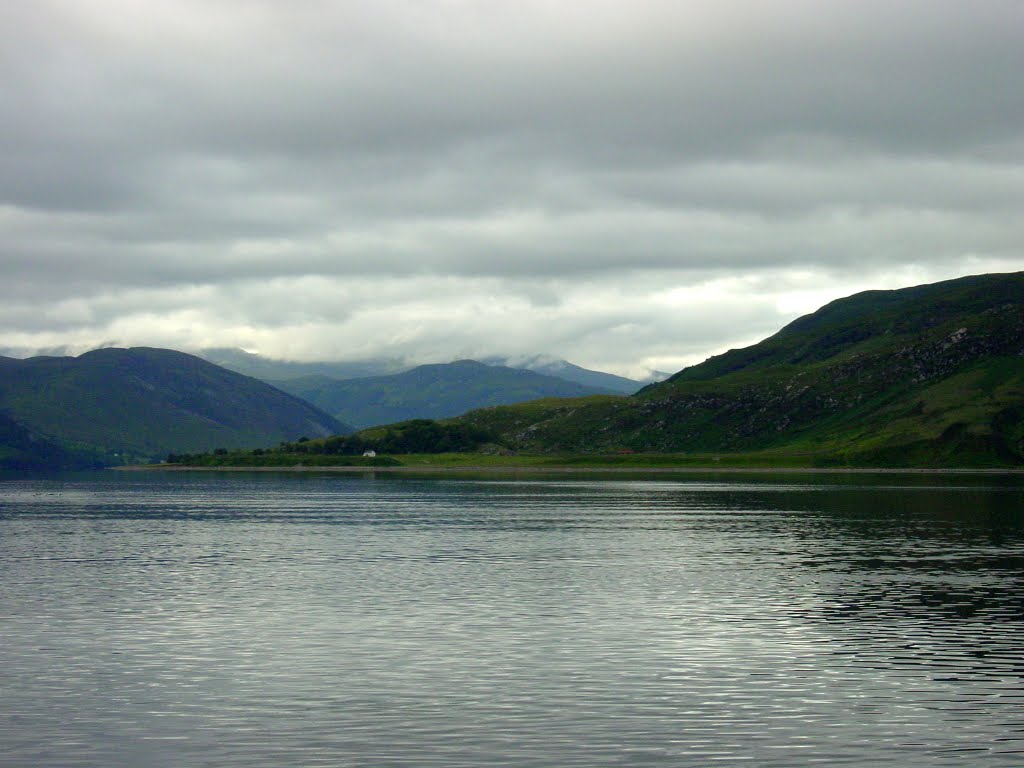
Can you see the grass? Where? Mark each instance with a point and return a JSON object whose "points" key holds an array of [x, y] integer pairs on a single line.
{"points": [[247, 459], [432, 461], [462, 463]]}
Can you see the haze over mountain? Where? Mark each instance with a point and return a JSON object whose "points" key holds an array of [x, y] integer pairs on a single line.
{"points": [[138, 404], [430, 391], [272, 370]]}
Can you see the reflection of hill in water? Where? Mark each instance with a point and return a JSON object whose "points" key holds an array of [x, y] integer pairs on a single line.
{"points": [[917, 582], [912, 578], [918, 547]]}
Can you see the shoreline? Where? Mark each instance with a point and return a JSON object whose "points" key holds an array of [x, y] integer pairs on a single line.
{"points": [[526, 469]]}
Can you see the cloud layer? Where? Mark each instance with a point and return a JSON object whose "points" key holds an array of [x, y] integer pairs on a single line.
{"points": [[629, 185]]}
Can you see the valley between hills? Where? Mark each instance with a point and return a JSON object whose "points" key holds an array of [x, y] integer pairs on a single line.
{"points": [[929, 376]]}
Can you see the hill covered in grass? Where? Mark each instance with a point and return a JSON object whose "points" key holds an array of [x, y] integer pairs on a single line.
{"points": [[138, 404], [925, 376]]}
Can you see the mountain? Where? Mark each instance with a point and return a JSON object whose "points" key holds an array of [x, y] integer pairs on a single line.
{"points": [[142, 403], [563, 369], [925, 376], [429, 391], [275, 371]]}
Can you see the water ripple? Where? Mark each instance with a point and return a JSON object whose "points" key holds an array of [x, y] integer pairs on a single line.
{"points": [[360, 621]]}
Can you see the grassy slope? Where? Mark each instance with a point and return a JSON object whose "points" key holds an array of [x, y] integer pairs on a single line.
{"points": [[871, 318], [928, 376]]}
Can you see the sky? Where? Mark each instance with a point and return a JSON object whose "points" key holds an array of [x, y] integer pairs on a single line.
{"points": [[632, 185]]}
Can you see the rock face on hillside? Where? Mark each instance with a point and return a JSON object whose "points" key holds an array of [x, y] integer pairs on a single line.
{"points": [[927, 375], [142, 403]]}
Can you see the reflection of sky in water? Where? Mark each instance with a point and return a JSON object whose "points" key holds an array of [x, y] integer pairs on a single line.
{"points": [[260, 620]]}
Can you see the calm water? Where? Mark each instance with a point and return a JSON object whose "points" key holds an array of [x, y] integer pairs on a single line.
{"points": [[256, 620]]}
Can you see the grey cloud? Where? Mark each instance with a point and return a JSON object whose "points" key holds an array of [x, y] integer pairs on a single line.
{"points": [[206, 161]]}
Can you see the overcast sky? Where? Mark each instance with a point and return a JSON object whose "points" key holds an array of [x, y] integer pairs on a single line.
{"points": [[628, 184]]}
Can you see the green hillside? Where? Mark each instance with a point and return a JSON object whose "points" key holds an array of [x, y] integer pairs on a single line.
{"points": [[141, 403], [429, 392], [925, 376], [881, 317]]}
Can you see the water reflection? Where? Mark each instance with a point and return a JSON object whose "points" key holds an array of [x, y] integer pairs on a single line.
{"points": [[261, 620]]}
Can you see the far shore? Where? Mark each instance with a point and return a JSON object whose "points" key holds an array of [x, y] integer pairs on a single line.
{"points": [[589, 470]]}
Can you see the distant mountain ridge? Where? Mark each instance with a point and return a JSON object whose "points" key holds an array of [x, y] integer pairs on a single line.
{"points": [[430, 391], [563, 369], [276, 371], [142, 403], [925, 376]]}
